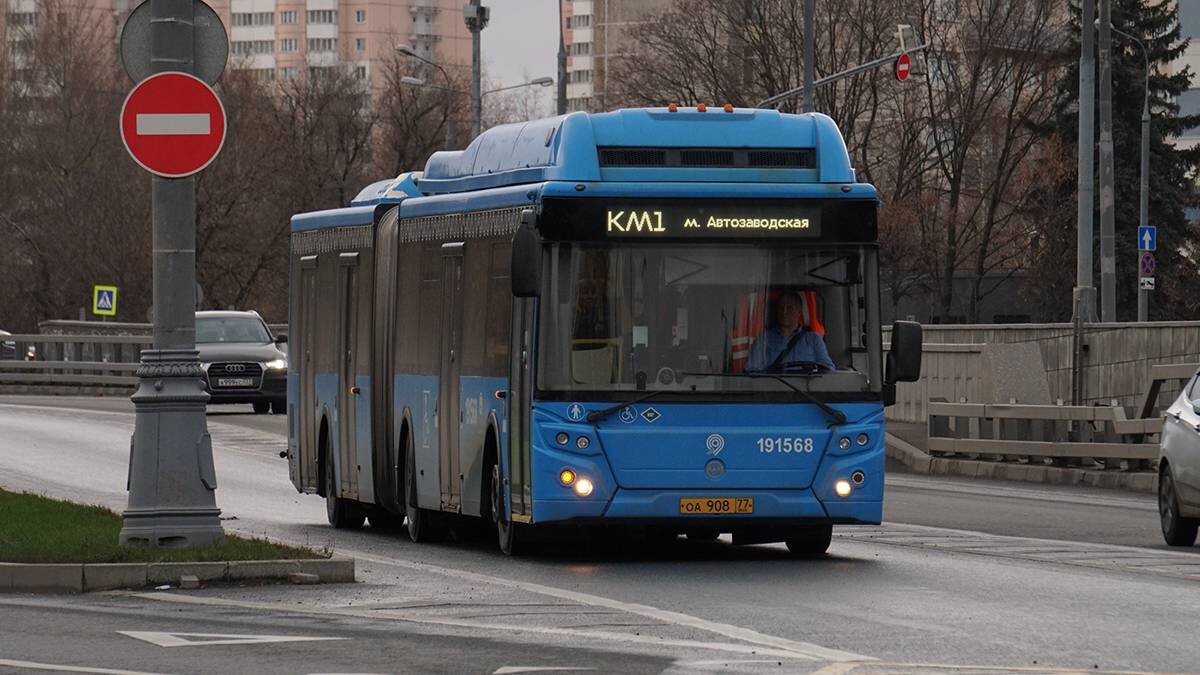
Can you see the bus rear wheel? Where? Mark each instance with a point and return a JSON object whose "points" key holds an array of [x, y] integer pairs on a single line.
{"points": [[423, 527], [810, 542], [343, 514], [506, 530]]}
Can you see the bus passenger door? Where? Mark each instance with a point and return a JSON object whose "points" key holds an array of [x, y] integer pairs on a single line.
{"points": [[303, 341], [347, 390], [520, 384], [449, 416]]}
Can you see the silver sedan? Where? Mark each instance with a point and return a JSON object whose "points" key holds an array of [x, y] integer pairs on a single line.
{"points": [[1179, 468]]}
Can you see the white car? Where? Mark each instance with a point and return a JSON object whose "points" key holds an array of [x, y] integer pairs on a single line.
{"points": [[1179, 468]]}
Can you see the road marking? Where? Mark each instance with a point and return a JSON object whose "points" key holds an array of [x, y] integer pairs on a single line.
{"points": [[59, 668], [513, 669], [573, 634], [800, 649], [174, 124], [181, 639]]}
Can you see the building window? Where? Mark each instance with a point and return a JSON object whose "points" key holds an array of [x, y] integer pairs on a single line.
{"points": [[322, 44], [360, 44], [360, 72], [579, 21], [254, 19], [264, 74], [360, 16], [22, 19], [318, 16], [288, 45], [580, 76], [289, 73], [287, 17], [252, 47], [581, 48]]}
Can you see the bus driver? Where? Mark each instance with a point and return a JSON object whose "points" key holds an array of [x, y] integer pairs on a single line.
{"points": [[789, 339]]}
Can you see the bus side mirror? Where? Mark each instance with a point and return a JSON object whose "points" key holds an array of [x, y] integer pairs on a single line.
{"points": [[527, 257], [904, 359]]}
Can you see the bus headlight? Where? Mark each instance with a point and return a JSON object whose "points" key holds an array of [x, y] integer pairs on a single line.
{"points": [[584, 487], [863, 439], [844, 443], [842, 487], [277, 364]]}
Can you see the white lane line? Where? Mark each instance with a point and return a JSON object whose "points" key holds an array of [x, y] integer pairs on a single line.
{"points": [[181, 639], [802, 649], [174, 124], [573, 634], [59, 668], [514, 669]]}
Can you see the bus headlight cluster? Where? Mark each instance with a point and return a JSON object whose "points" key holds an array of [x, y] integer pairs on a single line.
{"points": [[582, 484], [563, 438], [842, 487]]}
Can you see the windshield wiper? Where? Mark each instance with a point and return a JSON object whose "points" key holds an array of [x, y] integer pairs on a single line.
{"points": [[838, 416], [597, 415]]}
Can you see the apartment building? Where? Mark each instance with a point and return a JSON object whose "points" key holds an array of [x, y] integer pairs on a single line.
{"points": [[282, 39], [1189, 103], [596, 33]]}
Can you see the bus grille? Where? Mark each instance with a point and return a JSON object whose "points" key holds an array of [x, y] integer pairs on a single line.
{"points": [[714, 158]]}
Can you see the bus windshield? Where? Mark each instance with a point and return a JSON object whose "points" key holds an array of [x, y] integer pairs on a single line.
{"points": [[632, 317]]}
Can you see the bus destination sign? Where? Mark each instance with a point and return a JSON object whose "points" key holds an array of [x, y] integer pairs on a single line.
{"points": [[730, 220]]}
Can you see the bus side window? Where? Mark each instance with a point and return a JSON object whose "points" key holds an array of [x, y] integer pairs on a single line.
{"points": [[498, 314]]}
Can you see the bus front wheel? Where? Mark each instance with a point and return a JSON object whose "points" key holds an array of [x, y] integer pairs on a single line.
{"points": [[506, 530], [810, 542]]}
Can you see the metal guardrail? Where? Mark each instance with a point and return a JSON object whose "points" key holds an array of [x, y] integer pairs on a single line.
{"points": [[64, 361], [1060, 433]]}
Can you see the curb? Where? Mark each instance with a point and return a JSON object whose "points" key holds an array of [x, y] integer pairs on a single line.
{"points": [[919, 461], [87, 577]]}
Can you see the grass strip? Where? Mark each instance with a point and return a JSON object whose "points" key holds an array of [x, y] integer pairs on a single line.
{"points": [[36, 529]]}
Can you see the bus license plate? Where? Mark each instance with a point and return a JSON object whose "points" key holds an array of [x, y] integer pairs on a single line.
{"points": [[235, 382], [716, 505]]}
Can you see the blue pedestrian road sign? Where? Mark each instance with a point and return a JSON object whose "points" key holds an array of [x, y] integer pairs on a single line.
{"points": [[1147, 238], [104, 300]]}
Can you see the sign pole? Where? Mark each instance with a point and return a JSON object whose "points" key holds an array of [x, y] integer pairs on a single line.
{"points": [[172, 482]]}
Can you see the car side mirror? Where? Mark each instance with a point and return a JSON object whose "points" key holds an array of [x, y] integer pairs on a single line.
{"points": [[527, 257], [281, 339], [904, 359]]}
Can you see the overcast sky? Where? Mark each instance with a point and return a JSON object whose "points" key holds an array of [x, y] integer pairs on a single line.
{"points": [[521, 43]]}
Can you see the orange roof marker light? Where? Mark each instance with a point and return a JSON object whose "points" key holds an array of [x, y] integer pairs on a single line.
{"points": [[728, 107], [672, 107], [701, 108]]}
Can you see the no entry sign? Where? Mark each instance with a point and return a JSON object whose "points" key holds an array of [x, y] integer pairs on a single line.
{"points": [[172, 124], [903, 65]]}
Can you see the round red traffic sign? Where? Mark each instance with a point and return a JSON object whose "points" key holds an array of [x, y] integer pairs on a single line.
{"points": [[902, 66], [173, 124]]}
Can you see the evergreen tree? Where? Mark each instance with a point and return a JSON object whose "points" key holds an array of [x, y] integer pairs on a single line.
{"points": [[1173, 171]]}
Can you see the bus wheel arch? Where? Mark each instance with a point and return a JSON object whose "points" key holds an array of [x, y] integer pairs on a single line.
{"points": [[342, 514], [508, 533]]}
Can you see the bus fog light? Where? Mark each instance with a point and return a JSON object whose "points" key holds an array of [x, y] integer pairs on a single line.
{"points": [[562, 438], [844, 443], [842, 488], [566, 476], [583, 487], [858, 477], [582, 442], [863, 439]]}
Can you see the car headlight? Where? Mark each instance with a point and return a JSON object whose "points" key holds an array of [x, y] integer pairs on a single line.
{"points": [[277, 364]]}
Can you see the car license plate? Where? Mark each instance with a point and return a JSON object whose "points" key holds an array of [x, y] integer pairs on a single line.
{"points": [[716, 505], [235, 382]]}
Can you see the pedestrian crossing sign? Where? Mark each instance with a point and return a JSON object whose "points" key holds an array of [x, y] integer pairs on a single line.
{"points": [[104, 300]]}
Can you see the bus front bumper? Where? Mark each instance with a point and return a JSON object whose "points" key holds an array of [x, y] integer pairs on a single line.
{"points": [[663, 507]]}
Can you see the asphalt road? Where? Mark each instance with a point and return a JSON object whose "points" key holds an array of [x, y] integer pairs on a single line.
{"points": [[935, 588]]}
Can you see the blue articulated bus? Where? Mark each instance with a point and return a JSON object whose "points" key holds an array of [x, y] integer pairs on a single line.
{"points": [[663, 319]]}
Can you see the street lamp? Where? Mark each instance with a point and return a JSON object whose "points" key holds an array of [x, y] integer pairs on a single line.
{"points": [[536, 82], [405, 50], [1144, 215]]}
